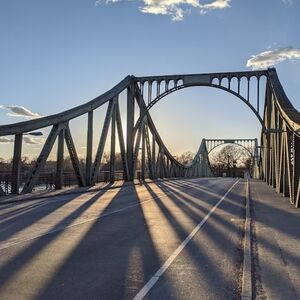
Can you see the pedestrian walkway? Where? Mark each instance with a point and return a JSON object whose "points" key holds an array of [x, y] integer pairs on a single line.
{"points": [[276, 244]]}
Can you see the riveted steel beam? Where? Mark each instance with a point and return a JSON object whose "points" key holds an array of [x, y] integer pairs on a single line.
{"points": [[130, 129], [89, 148], [16, 167], [41, 161], [74, 157], [59, 178], [122, 143], [102, 141], [112, 145]]}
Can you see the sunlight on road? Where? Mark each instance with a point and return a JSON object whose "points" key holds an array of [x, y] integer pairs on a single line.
{"points": [[54, 252]]}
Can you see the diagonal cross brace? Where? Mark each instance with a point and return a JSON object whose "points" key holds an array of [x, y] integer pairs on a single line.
{"points": [[41, 161], [150, 162], [102, 141], [74, 157], [121, 142]]}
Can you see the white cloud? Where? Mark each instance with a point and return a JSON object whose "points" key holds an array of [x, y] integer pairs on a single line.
{"points": [[32, 140], [175, 8], [289, 2], [20, 111], [218, 4], [272, 57], [5, 140], [26, 140]]}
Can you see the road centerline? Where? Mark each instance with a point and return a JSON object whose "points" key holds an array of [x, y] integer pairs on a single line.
{"points": [[153, 280]]}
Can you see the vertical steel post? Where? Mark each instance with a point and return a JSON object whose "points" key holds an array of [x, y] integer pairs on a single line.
{"points": [[143, 154], [121, 142], [248, 89], [130, 128], [59, 179], [258, 94], [149, 92], [113, 145], [153, 155], [89, 149], [296, 170], [16, 167], [268, 125]]}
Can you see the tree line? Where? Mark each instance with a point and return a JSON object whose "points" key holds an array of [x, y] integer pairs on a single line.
{"points": [[230, 160]]}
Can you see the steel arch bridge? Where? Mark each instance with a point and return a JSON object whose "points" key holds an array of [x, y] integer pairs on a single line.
{"points": [[279, 162]]}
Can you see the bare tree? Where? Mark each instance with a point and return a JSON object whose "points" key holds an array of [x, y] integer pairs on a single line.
{"points": [[186, 157], [232, 160]]}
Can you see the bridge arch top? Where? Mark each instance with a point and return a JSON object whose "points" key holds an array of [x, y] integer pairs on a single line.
{"points": [[180, 80], [193, 80], [238, 142], [205, 76]]}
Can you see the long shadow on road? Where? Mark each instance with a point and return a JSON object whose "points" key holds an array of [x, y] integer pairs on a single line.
{"points": [[209, 274], [107, 259], [112, 257]]}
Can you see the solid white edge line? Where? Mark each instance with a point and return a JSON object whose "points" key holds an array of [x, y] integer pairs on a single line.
{"points": [[148, 286], [247, 271]]}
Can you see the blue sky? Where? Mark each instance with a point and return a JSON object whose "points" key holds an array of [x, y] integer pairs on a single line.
{"points": [[61, 53]]}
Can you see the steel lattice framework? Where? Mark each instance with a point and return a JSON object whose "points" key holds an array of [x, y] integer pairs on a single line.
{"points": [[280, 139]]}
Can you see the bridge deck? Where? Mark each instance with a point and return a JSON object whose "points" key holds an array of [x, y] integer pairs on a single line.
{"points": [[109, 244]]}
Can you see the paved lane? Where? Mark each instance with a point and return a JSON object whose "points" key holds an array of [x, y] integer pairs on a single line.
{"points": [[109, 244]]}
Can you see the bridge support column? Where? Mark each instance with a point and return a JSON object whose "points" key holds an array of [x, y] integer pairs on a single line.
{"points": [[113, 145], [59, 178], [130, 129], [153, 156], [89, 149], [143, 155], [16, 167]]}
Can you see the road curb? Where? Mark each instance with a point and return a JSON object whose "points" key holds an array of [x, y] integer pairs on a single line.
{"points": [[247, 264]]}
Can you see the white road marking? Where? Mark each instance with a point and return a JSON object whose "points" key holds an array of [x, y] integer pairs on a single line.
{"points": [[247, 270], [148, 286]]}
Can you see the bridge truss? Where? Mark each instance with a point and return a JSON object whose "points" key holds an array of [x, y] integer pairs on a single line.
{"points": [[142, 145], [250, 145]]}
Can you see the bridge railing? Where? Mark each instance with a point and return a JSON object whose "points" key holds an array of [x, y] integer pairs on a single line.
{"points": [[46, 180]]}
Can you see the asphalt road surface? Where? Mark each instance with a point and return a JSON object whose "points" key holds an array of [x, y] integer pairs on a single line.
{"points": [[177, 239]]}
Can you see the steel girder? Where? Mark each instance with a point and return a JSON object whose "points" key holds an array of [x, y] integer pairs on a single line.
{"points": [[280, 150], [279, 155]]}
